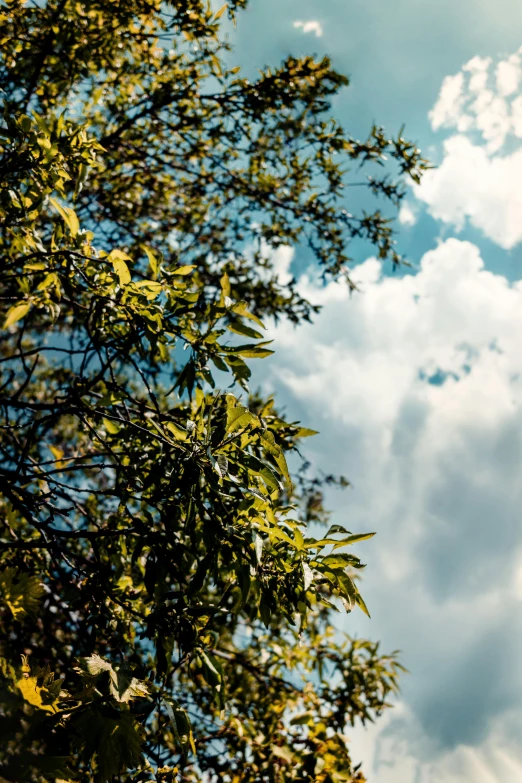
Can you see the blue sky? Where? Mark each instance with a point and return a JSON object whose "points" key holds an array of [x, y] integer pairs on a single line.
{"points": [[416, 382]]}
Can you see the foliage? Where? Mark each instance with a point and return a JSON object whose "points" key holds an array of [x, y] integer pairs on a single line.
{"points": [[158, 571]]}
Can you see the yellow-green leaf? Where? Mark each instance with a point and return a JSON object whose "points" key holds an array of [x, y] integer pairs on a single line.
{"points": [[153, 261], [178, 433], [69, 216], [16, 313], [111, 427], [20, 591], [119, 264], [225, 285], [183, 270], [220, 13]]}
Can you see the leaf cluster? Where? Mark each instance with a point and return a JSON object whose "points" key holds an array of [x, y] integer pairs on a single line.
{"points": [[160, 579]]}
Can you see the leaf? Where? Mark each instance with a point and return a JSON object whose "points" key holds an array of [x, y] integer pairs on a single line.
{"points": [[82, 176], [304, 432], [186, 378], [182, 727], [225, 285], [221, 465], [308, 576], [111, 426], [153, 261], [347, 589], [119, 259], [123, 686], [151, 288], [268, 441], [178, 433], [283, 753], [338, 560], [110, 742], [16, 313], [338, 543], [58, 455], [360, 602], [20, 591], [36, 695], [69, 216], [48, 281], [214, 675], [250, 351], [183, 270], [336, 529], [241, 309], [258, 546], [257, 467], [238, 328], [238, 417], [43, 696], [220, 13], [355, 538], [94, 665]]}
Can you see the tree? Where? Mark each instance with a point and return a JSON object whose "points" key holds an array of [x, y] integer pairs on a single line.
{"points": [[159, 577]]}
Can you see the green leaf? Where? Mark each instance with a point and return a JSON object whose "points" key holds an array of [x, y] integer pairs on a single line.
{"points": [[250, 351], [214, 675], [240, 328], [111, 743], [268, 441], [355, 538], [304, 432], [361, 604], [181, 727], [238, 417]]}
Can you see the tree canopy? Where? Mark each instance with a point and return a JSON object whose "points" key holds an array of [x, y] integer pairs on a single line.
{"points": [[166, 601]]}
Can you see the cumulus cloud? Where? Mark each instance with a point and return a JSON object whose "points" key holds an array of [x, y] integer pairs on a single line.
{"points": [[387, 754], [311, 26], [479, 98], [479, 177], [407, 216], [416, 387], [471, 185]]}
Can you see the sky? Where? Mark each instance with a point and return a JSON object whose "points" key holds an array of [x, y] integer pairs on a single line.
{"points": [[415, 382]]}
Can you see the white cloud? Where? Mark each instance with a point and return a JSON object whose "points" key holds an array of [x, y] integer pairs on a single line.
{"points": [[508, 75], [282, 258], [407, 216], [416, 386], [447, 112], [311, 26], [389, 759], [479, 177], [472, 185], [476, 99]]}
